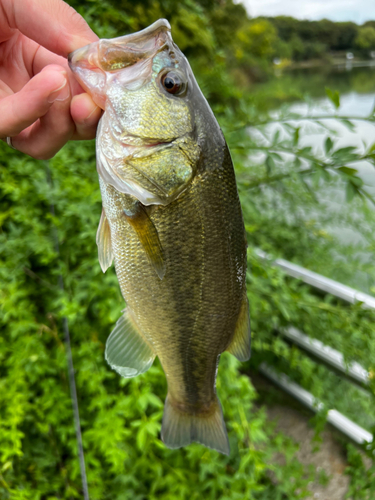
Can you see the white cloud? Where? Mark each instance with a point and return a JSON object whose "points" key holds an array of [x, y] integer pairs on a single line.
{"points": [[358, 11]]}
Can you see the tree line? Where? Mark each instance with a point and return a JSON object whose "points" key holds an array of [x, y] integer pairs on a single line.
{"points": [[304, 39], [212, 32]]}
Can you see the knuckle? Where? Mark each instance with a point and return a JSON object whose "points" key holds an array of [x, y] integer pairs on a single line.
{"points": [[43, 155], [74, 19]]}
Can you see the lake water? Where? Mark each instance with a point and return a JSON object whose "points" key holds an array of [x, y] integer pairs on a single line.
{"points": [[357, 96]]}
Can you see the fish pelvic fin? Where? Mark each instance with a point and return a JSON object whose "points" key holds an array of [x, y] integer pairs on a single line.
{"points": [[126, 351], [180, 429], [240, 345], [103, 240]]}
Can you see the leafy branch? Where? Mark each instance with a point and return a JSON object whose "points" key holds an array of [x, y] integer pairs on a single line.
{"points": [[286, 143]]}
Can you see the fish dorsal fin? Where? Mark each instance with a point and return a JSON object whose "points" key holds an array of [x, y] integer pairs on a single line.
{"points": [[241, 342], [140, 221], [126, 351], [103, 240]]}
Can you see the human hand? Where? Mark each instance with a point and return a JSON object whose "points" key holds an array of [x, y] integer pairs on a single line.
{"points": [[41, 104]]}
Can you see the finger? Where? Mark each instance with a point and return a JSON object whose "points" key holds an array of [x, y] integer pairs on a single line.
{"points": [[20, 110], [44, 57], [86, 115], [49, 134], [5, 90], [51, 23]]}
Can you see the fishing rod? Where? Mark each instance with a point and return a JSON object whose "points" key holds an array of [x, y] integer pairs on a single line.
{"points": [[71, 373]]}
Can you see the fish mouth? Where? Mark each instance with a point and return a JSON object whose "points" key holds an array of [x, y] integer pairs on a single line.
{"points": [[93, 62], [128, 48]]}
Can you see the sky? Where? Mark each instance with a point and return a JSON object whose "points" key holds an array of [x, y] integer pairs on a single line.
{"points": [[358, 11]]}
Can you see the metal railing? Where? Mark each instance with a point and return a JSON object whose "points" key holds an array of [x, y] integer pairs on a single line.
{"points": [[352, 430], [321, 282], [321, 352], [328, 356]]}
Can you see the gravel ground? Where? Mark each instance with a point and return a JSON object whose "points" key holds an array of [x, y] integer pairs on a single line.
{"points": [[329, 458], [293, 420]]}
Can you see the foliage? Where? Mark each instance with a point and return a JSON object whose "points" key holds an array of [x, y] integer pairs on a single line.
{"points": [[365, 39], [256, 38], [313, 39], [120, 418]]}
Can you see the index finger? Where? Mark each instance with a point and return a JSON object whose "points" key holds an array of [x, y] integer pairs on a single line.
{"points": [[55, 25]]}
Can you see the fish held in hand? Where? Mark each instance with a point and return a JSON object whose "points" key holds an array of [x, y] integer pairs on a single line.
{"points": [[172, 223]]}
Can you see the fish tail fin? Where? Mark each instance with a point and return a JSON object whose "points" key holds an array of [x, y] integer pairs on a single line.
{"points": [[180, 429]]}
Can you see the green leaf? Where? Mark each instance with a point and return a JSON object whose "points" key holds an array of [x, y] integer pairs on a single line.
{"points": [[328, 145], [142, 437], [348, 170], [344, 151], [333, 96], [351, 191], [357, 181], [276, 137], [348, 124], [344, 155], [306, 150], [297, 163], [296, 136]]}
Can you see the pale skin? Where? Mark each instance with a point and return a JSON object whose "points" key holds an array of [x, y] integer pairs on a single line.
{"points": [[41, 105]]}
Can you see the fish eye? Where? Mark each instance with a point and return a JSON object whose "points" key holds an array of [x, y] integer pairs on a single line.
{"points": [[173, 83]]}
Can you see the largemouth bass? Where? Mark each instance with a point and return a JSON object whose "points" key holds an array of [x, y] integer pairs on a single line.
{"points": [[172, 223]]}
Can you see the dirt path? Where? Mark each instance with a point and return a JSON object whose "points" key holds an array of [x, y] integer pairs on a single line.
{"points": [[293, 420]]}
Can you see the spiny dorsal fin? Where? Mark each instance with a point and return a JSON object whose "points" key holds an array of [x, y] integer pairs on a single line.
{"points": [[126, 350], [103, 240], [148, 236], [241, 342]]}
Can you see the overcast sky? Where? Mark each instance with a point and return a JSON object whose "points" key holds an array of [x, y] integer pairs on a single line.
{"points": [[358, 11]]}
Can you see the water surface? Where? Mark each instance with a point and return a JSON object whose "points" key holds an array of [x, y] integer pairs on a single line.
{"points": [[357, 98]]}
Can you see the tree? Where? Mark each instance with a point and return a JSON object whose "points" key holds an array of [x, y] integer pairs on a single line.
{"points": [[257, 38], [366, 38]]}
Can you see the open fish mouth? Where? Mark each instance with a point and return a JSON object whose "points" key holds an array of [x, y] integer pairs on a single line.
{"points": [[123, 51], [95, 64]]}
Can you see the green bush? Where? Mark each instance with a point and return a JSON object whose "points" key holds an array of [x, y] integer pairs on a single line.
{"points": [[120, 418]]}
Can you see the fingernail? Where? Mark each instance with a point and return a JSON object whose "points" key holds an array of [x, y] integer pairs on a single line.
{"points": [[60, 94], [87, 119]]}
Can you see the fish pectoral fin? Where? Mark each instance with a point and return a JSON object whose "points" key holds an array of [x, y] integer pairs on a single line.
{"points": [[240, 345], [180, 429], [148, 236], [126, 351], [103, 240]]}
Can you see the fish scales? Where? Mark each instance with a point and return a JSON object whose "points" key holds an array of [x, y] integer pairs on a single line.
{"points": [[198, 300], [173, 224]]}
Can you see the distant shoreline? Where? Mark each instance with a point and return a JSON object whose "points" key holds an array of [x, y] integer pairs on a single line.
{"points": [[340, 63]]}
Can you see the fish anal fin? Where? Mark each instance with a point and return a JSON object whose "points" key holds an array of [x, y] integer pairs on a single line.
{"points": [[180, 429], [103, 240], [127, 352], [240, 345], [148, 236]]}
